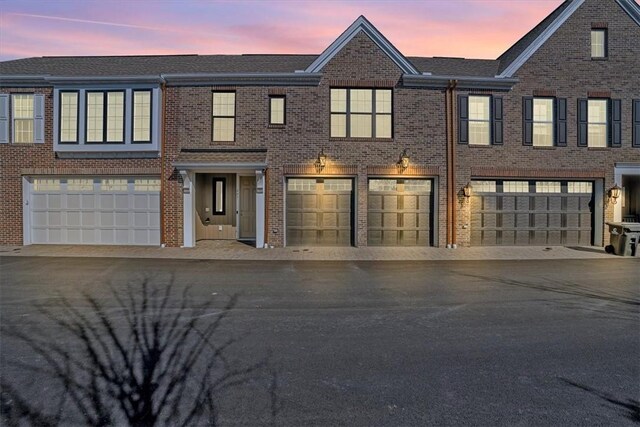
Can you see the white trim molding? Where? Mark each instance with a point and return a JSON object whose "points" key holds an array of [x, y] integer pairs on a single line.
{"points": [[620, 170]]}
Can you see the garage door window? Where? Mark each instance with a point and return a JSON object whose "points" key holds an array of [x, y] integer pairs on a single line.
{"points": [[80, 185], [145, 185], [417, 185], [46, 184], [515, 186], [580, 187], [114, 185], [337, 185], [484, 186], [383, 185], [547, 187], [301, 185]]}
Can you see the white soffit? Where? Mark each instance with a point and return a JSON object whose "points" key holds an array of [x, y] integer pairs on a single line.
{"points": [[361, 24], [540, 40]]}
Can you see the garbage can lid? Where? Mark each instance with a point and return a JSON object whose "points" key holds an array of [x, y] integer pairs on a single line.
{"points": [[629, 227]]}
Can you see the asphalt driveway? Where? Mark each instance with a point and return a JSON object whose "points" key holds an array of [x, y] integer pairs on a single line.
{"points": [[383, 343]]}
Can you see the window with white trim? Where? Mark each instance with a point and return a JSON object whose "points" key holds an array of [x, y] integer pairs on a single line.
{"points": [[105, 116], [224, 116], [599, 43], [597, 112], [361, 113], [23, 118], [543, 122], [276, 110], [480, 120]]}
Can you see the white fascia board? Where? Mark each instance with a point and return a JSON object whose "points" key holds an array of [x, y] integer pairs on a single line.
{"points": [[361, 24], [542, 38], [631, 8]]}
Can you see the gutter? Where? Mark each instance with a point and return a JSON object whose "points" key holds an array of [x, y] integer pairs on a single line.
{"points": [[49, 80], [243, 79], [463, 82], [451, 193]]}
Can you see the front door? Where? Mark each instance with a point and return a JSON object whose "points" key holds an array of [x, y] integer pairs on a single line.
{"points": [[247, 207]]}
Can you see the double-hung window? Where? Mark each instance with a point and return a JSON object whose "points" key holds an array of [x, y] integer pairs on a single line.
{"points": [[224, 116], [597, 118], [69, 117], [599, 43], [361, 113], [480, 120], [141, 116], [277, 110], [543, 123], [105, 116], [23, 118], [599, 122]]}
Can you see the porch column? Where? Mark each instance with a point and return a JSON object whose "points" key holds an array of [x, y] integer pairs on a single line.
{"points": [[260, 209], [188, 203]]}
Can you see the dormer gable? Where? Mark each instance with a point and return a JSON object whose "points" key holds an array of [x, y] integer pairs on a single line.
{"points": [[362, 25]]}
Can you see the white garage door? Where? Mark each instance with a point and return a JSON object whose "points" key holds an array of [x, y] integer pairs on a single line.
{"points": [[100, 211]]}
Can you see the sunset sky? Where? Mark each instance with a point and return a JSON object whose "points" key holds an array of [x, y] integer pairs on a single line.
{"points": [[461, 28]]}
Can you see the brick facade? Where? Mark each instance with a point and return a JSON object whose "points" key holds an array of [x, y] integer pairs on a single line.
{"points": [[562, 67]]}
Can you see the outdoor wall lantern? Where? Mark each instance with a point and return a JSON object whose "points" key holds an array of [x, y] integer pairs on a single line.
{"points": [[467, 190], [403, 162], [321, 161], [614, 193]]}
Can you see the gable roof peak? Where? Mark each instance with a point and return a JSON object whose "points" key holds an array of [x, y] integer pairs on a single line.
{"points": [[362, 24]]}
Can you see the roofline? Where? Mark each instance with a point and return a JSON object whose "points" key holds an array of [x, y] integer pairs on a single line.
{"points": [[362, 25], [462, 82], [541, 39], [234, 79], [631, 8]]}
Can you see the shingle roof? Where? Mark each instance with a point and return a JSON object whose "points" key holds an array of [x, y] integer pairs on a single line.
{"points": [[98, 66], [456, 66], [521, 45]]}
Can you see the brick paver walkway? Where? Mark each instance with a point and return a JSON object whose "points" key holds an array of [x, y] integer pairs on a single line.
{"points": [[238, 251]]}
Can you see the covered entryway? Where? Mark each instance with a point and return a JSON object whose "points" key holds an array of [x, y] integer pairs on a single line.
{"points": [[319, 211], [399, 212], [89, 210], [627, 176], [528, 212]]}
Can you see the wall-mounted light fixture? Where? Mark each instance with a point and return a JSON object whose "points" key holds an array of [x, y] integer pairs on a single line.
{"points": [[467, 190], [403, 162], [321, 161], [614, 193]]}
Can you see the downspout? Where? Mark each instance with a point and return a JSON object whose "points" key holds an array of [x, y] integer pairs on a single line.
{"points": [[163, 187], [454, 195], [266, 206], [451, 193]]}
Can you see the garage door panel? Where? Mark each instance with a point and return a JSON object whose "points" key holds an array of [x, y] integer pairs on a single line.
{"points": [[70, 213], [318, 212], [551, 217]]}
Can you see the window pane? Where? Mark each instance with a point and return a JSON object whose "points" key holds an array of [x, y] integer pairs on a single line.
{"points": [[338, 100], [23, 131], [46, 184], [95, 104], [337, 185], [598, 43], [69, 116], [515, 186], [543, 110], [338, 125], [80, 185], [146, 185], [543, 134], [115, 116], [113, 185], [383, 101], [219, 202], [383, 185], [224, 104], [547, 187], [479, 108], [361, 101], [479, 133], [277, 110], [597, 135], [597, 110], [301, 184], [142, 115], [580, 187], [383, 126], [360, 126], [22, 106], [223, 129], [417, 185], [483, 186]]}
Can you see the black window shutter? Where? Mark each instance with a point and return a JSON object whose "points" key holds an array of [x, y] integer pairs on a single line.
{"points": [[561, 122], [463, 119], [582, 123], [527, 120], [498, 138], [636, 122], [615, 123]]}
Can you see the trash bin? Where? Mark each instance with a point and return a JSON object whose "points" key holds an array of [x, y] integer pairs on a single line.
{"points": [[625, 238]]}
